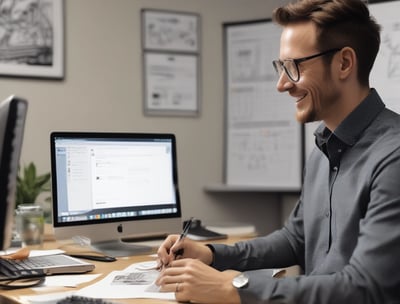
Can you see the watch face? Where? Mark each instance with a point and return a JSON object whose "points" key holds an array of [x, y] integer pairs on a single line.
{"points": [[240, 281]]}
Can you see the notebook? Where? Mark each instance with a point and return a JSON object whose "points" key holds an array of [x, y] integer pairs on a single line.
{"points": [[43, 265]]}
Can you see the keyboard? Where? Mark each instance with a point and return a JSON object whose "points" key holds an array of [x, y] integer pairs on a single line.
{"points": [[43, 265], [19, 268]]}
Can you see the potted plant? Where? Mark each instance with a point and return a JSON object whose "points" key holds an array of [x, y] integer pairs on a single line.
{"points": [[30, 185]]}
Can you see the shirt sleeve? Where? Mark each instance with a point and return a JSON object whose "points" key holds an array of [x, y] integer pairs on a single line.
{"points": [[371, 275], [257, 256], [282, 248]]}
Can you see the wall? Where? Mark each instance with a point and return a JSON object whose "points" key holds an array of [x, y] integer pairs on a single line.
{"points": [[102, 91]]}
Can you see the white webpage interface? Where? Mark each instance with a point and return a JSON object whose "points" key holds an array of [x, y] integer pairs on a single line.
{"points": [[100, 174]]}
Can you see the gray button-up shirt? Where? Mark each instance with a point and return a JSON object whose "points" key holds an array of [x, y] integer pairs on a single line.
{"points": [[345, 229]]}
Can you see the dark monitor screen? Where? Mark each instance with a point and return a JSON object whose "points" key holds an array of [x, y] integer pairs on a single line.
{"points": [[110, 187], [12, 122]]}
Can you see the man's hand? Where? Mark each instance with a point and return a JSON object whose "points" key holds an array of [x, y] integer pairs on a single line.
{"points": [[192, 280], [187, 249]]}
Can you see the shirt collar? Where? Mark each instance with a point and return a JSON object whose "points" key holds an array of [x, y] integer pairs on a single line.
{"points": [[350, 129]]}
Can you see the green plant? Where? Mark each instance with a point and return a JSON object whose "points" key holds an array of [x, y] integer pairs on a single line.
{"points": [[30, 185]]}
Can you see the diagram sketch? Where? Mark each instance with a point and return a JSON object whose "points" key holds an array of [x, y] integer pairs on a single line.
{"points": [[129, 283], [390, 47], [28, 36], [170, 31], [135, 278], [247, 59]]}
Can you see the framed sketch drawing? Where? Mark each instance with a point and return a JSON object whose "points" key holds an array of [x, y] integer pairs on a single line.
{"points": [[32, 38], [170, 31]]}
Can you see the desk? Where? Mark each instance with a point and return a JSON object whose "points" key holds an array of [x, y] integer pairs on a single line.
{"points": [[102, 268]]}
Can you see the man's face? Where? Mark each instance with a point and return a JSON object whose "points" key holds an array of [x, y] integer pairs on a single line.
{"points": [[316, 93]]}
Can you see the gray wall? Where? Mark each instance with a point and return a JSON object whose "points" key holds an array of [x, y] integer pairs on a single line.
{"points": [[102, 91]]}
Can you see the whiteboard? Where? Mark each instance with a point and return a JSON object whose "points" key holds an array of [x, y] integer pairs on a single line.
{"points": [[385, 75], [263, 139]]}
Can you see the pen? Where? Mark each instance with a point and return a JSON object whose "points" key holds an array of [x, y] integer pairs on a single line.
{"points": [[184, 233]]}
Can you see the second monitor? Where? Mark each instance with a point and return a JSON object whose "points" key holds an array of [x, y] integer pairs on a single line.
{"points": [[109, 187]]}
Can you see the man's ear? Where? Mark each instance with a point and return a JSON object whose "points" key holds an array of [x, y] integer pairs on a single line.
{"points": [[347, 62]]}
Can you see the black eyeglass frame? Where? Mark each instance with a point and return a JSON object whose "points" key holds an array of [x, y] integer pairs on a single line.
{"points": [[279, 65]]}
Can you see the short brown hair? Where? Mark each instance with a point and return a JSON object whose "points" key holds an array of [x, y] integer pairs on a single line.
{"points": [[339, 23]]}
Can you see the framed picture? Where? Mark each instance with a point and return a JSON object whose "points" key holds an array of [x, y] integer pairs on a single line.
{"points": [[32, 38], [170, 31], [171, 84]]}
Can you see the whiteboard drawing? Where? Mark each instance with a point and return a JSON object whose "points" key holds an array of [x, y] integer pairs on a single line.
{"points": [[263, 139], [390, 47], [385, 74]]}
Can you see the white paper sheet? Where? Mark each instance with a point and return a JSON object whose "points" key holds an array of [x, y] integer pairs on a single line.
{"points": [[48, 298], [136, 281], [72, 280]]}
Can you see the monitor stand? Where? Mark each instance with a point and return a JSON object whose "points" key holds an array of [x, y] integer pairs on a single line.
{"points": [[118, 248]]}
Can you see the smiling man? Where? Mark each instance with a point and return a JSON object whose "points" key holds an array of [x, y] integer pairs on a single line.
{"points": [[345, 229]]}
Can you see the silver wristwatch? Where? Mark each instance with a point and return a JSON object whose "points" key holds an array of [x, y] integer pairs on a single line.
{"points": [[240, 281]]}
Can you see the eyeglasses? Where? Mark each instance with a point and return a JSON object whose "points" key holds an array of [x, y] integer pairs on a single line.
{"points": [[291, 66]]}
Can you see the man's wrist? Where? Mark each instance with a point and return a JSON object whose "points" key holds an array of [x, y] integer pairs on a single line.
{"points": [[210, 256], [231, 292]]}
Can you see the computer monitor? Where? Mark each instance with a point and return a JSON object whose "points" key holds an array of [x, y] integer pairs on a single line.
{"points": [[114, 188], [12, 121]]}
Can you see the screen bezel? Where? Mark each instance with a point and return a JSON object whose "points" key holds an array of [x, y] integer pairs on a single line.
{"points": [[13, 111], [112, 136]]}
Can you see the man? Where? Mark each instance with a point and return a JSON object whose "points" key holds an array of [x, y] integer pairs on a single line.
{"points": [[345, 229]]}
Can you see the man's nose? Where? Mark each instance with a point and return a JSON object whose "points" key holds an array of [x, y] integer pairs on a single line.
{"points": [[283, 83]]}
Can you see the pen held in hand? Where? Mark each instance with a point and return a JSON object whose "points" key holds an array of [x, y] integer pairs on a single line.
{"points": [[182, 236]]}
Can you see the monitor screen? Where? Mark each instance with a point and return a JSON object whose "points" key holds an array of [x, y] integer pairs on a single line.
{"points": [[113, 188], [12, 121]]}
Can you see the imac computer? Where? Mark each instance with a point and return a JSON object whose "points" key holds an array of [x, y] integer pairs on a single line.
{"points": [[114, 188], [12, 121]]}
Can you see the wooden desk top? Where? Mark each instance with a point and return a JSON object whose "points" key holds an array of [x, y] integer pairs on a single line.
{"points": [[102, 268]]}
